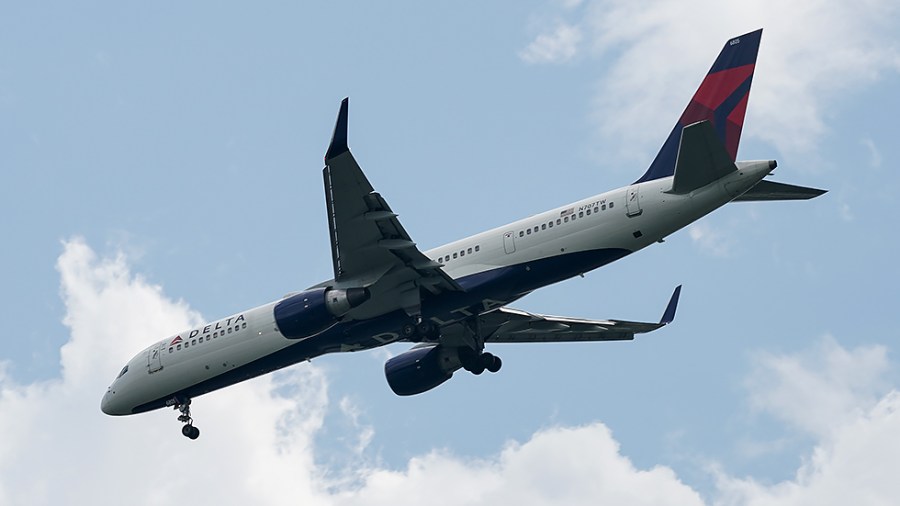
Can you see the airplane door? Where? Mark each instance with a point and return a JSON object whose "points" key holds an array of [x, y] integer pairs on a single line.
{"points": [[154, 358], [633, 201], [509, 242]]}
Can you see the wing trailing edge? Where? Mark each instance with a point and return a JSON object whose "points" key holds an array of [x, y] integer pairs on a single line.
{"points": [[507, 325]]}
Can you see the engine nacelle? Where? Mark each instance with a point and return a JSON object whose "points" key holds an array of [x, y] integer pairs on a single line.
{"points": [[421, 369], [313, 311]]}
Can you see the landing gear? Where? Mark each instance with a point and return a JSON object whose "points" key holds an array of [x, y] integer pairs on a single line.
{"points": [[189, 431], [478, 363], [419, 330]]}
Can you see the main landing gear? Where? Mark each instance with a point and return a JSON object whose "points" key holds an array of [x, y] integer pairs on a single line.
{"points": [[419, 330], [478, 363], [189, 431]]}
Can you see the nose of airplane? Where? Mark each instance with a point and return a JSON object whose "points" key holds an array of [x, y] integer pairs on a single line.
{"points": [[111, 405], [104, 403]]}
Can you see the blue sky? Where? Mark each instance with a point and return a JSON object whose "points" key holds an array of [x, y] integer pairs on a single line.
{"points": [[162, 165]]}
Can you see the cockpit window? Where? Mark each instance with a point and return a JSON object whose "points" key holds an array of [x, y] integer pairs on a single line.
{"points": [[124, 370]]}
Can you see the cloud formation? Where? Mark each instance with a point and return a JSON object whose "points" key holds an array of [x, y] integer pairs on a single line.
{"points": [[259, 444], [558, 46], [654, 54]]}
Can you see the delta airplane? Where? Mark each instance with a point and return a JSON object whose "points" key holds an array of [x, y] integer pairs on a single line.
{"points": [[451, 301]]}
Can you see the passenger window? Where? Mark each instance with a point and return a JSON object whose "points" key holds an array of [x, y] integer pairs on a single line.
{"points": [[581, 214], [596, 210], [557, 221], [521, 234], [588, 212], [543, 226], [470, 251], [454, 255], [178, 347], [528, 231], [550, 224], [566, 219], [477, 248], [611, 204], [603, 207], [462, 253], [229, 330], [194, 342], [207, 338], [245, 326], [535, 230]]}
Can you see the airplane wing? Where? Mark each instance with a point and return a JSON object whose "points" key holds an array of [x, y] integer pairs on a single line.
{"points": [[369, 246], [507, 325]]}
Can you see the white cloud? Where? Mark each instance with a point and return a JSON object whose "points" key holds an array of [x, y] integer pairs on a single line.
{"points": [[655, 53], [556, 466], [558, 46], [833, 393], [58, 448], [821, 389], [258, 446], [874, 153], [709, 240]]}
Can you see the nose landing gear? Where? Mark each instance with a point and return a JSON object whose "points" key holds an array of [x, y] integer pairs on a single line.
{"points": [[189, 431]]}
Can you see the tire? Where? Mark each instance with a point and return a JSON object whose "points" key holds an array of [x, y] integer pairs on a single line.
{"points": [[495, 364]]}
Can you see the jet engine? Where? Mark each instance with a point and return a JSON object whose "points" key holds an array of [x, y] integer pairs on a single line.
{"points": [[421, 369], [308, 313]]}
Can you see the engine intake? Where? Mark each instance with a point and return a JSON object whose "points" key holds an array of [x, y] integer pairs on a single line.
{"points": [[313, 311]]}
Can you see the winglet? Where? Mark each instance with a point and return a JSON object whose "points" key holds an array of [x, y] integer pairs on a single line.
{"points": [[338, 144], [669, 316]]}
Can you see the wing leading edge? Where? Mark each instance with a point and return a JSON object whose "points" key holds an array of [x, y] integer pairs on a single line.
{"points": [[507, 325]]}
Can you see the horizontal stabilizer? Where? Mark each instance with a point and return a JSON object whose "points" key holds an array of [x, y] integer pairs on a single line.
{"points": [[770, 190], [701, 160]]}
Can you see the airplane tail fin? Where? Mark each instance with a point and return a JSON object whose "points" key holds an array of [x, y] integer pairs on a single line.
{"points": [[721, 99]]}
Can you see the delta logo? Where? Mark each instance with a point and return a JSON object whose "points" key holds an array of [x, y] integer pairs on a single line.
{"points": [[175, 341]]}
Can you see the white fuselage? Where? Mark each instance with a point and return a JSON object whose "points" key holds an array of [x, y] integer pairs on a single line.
{"points": [[628, 218]]}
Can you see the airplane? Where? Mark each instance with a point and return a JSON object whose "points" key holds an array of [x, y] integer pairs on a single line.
{"points": [[451, 301]]}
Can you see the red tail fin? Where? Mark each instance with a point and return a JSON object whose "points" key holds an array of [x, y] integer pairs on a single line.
{"points": [[721, 99]]}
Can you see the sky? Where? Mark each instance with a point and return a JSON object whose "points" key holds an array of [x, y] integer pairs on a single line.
{"points": [[161, 167]]}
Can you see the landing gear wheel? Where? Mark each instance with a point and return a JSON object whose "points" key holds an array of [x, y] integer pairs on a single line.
{"points": [[408, 331], [495, 363], [424, 328], [190, 432]]}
